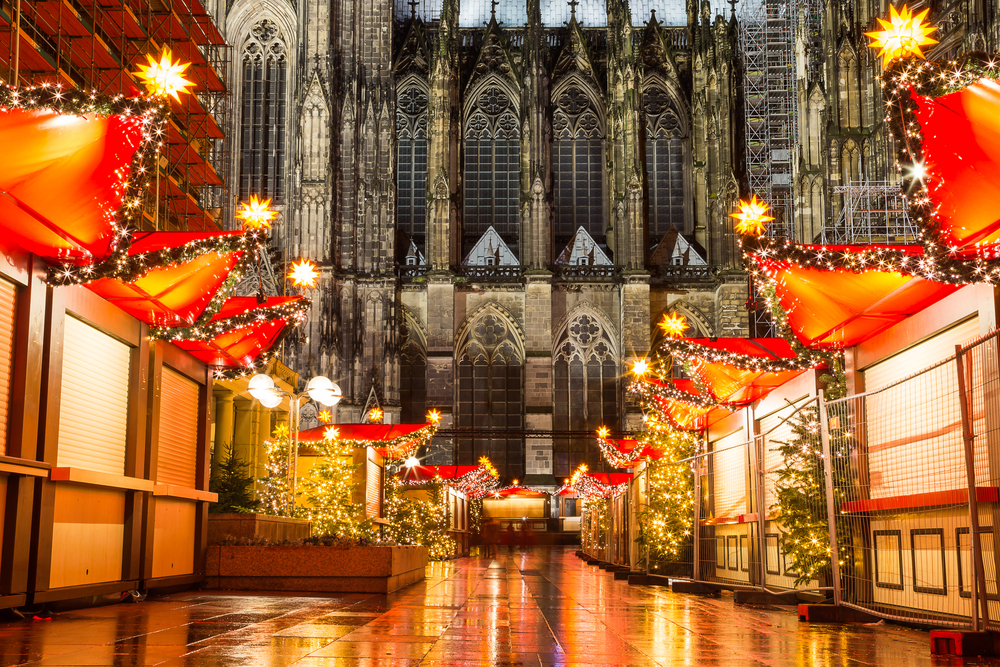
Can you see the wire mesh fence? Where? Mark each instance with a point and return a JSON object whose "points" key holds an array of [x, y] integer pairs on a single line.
{"points": [[723, 513]]}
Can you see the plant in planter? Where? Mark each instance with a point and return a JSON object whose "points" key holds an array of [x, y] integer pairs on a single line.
{"points": [[232, 481]]}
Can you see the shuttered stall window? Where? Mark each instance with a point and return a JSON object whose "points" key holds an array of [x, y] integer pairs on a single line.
{"points": [[373, 489], [178, 443], [914, 426], [93, 414], [729, 478], [7, 298]]}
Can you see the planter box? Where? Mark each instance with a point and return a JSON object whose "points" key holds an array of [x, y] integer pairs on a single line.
{"points": [[247, 526], [314, 569]]}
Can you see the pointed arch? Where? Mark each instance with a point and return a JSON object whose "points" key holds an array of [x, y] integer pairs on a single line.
{"points": [[668, 159], [578, 164], [412, 95], [492, 163], [848, 84], [489, 388], [412, 369]]}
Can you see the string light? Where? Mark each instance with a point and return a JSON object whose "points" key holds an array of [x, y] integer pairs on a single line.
{"points": [[640, 367]]}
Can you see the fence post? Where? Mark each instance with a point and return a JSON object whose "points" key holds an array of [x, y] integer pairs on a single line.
{"points": [[758, 463], [696, 571], [979, 587], [831, 509]]}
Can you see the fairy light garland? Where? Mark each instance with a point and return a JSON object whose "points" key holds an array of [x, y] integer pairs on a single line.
{"points": [[686, 351], [398, 448], [327, 490]]}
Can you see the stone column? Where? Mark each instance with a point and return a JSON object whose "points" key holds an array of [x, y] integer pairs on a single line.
{"points": [[263, 432], [223, 424], [243, 433], [538, 376]]}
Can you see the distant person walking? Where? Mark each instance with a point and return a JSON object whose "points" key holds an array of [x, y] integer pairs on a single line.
{"points": [[511, 537], [491, 537]]}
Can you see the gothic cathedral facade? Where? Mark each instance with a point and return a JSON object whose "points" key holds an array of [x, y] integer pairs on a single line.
{"points": [[504, 198]]}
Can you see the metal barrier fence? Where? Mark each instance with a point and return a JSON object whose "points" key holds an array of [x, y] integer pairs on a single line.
{"points": [[916, 492]]}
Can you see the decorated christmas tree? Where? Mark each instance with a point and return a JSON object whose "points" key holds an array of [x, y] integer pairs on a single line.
{"points": [[420, 521], [327, 490], [273, 492]]}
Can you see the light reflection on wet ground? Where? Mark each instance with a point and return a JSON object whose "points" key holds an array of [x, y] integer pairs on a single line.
{"points": [[543, 607]]}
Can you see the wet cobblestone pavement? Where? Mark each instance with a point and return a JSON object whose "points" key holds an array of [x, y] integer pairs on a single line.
{"points": [[543, 607]]}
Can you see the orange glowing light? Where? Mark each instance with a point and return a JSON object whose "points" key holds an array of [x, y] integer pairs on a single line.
{"points": [[434, 416], [640, 367], [602, 432], [331, 434], [257, 214], [674, 325], [752, 216], [303, 274], [164, 77], [375, 415], [324, 416], [903, 34]]}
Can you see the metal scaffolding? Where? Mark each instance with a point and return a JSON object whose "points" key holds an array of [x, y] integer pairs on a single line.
{"points": [[97, 45], [873, 212]]}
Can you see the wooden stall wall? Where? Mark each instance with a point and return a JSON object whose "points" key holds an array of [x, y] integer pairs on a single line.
{"points": [[175, 529]]}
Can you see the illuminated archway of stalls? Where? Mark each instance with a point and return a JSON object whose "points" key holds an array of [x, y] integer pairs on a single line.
{"points": [[476, 481], [242, 335], [74, 168], [680, 402], [596, 484], [838, 296], [626, 452], [171, 278], [738, 371], [392, 441]]}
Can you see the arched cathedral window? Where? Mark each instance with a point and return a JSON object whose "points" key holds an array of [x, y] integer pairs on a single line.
{"points": [[262, 125], [411, 163], [664, 165], [579, 167], [492, 169], [413, 382], [585, 379], [490, 395]]}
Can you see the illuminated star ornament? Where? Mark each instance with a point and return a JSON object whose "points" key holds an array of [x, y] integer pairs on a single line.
{"points": [[603, 432], [673, 325], [324, 416], [903, 34], [640, 367], [303, 274], [434, 416], [331, 434], [375, 415], [256, 214], [165, 77], [752, 217]]}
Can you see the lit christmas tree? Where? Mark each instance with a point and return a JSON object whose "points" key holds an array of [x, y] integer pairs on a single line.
{"points": [[327, 490], [273, 489], [419, 521]]}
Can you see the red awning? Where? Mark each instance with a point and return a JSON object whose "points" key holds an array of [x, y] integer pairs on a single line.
{"points": [[517, 492], [840, 308], [396, 440], [611, 478], [427, 473], [173, 295], [736, 386], [629, 452], [961, 151], [63, 180], [687, 415], [246, 330]]}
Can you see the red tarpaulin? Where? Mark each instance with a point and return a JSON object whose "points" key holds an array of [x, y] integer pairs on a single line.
{"points": [[245, 339], [171, 295], [687, 415], [516, 491], [840, 308], [63, 180], [611, 478], [961, 150], [737, 386]]}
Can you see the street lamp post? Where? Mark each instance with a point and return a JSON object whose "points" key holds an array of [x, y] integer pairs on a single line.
{"points": [[319, 389]]}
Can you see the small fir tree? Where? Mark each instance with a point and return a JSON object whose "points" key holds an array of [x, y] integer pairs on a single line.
{"points": [[232, 481], [328, 489], [666, 522], [273, 489], [419, 521]]}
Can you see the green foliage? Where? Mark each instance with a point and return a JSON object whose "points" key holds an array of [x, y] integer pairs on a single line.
{"points": [[273, 490], [418, 521], [666, 520], [232, 481], [328, 489]]}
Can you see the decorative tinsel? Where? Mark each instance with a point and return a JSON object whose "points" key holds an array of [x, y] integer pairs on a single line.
{"points": [[396, 449], [686, 350]]}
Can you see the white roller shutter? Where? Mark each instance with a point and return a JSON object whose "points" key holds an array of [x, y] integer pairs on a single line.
{"points": [[373, 489], [93, 414], [920, 356], [729, 461], [178, 438], [7, 302]]}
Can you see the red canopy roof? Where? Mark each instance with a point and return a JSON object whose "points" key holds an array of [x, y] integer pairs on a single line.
{"points": [[427, 473], [247, 330], [516, 491], [629, 452], [961, 151], [691, 415], [737, 386], [171, 295], [398, 439], [611, 478], [63, 180], [840, 308]]}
